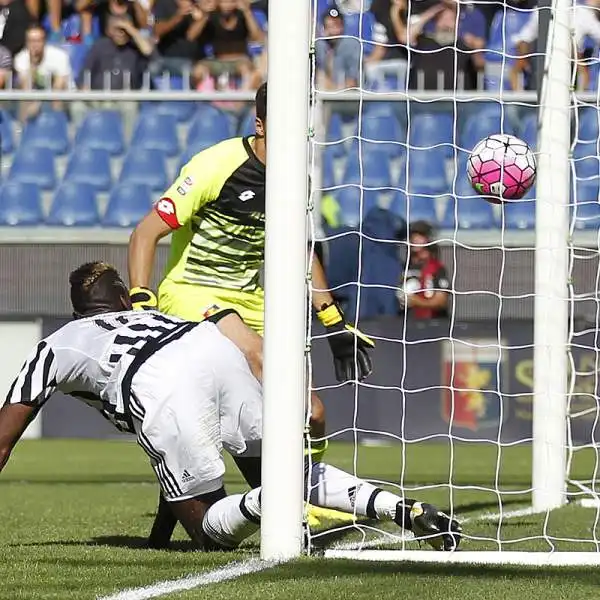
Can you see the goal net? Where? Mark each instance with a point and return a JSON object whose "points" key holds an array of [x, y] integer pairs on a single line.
{"points": [[484, 394]]}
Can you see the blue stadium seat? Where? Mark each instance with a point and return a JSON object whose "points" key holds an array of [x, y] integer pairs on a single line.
{"points": [[90, 166], [335, 135], [588, 129], [145, 167], [488, 120], [529, 129], [587, 215], [373, 166], [327, 165], [48, 130], [6, 133], [587, 190], [432, 129], [387, 131], [102, 130], [421, 208], [182, 111], [398, 204], [34, 165], [519, 215], [20, 204], [349, 201], [155, 131], [205, 132], [74, 205], [128, 204], [473, 213], [247, 125], [462, 188], [586, 160], [427, 172]]}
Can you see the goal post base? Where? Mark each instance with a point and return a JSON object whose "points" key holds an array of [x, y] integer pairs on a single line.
{"points": [[533, 559]]}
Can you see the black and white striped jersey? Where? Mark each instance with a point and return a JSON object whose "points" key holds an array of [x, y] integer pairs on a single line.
{"points": [[94, 360]]}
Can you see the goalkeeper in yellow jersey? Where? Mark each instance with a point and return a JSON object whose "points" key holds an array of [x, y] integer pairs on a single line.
{"points": [[215, 212]]}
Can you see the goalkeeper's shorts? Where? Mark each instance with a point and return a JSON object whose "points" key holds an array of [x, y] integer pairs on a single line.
{"points": [[196, 303]]}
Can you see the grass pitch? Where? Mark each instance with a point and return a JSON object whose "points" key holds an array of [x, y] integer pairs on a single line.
{"points": [[74, 516]]}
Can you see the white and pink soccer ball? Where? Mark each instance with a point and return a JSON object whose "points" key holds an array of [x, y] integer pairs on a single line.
{"points": [[501, 168]]}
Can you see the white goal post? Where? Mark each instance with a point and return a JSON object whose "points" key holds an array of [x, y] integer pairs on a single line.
{"points": [[286, 270]]}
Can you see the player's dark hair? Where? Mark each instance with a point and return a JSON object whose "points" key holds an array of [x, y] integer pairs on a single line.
{"points": [[261, 102], [425, 229], [96, 287]]}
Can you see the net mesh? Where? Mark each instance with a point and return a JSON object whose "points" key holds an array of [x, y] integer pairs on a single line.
{"points": [[446, 416]]}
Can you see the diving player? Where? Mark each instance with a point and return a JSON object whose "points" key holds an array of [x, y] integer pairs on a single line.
{"points": [[186, 391]]}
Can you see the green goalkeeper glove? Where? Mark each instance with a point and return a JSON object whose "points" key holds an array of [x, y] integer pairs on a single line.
{"points": [[143, 299], [346, 343]]}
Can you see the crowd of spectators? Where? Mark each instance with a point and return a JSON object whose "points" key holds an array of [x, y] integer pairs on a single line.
{"points": [[220, 44]]}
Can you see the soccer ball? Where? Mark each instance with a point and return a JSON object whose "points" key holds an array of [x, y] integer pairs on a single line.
{"points": [[501, 168]]}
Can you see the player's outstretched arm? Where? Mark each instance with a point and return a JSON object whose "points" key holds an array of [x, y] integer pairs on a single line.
{"points": [[350, 347], [14, 419], [140, 259]]}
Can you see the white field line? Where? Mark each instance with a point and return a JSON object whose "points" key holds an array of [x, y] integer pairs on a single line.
{"points": [[406, 536], [226, 573]]}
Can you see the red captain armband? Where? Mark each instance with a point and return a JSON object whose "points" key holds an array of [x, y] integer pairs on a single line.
{"points": [[165, 208]]}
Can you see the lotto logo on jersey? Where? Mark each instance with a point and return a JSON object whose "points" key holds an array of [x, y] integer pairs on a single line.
{"points": [[211, 310], [165, 208], [472, 375]]}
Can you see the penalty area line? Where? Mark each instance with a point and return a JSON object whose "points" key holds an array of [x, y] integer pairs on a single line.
{"points": [[162, 588]]}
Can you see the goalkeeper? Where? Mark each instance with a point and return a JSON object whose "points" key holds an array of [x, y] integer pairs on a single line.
{"points": [[215, 211]]}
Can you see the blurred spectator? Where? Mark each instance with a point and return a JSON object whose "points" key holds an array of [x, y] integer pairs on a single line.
{"points": [[40, 66], [425, 288], [118, 60], [5, 66], [585, 23], [228, 30], [338, 58], [15, 18], [446, 34], [390, 56], [132, 10], [176, 54]]}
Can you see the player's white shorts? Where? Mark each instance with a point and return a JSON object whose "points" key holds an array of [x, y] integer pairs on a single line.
{"points": [[198, 396]]}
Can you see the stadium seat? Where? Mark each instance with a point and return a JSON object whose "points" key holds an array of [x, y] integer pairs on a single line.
{"points": [[145, 167], [462, 187], [34, 165], [155, 131], [519, 215], [74, 205], [20, 204], [428, 129], [529, 129], [588, 129], [487, 120], [90, 166], [421, 208], [335, 135], [427, 171], [387, 132], [585, 157], [327, 166], [48, 130], [6, 133], [587, 215], [349, 201], [369, 168], [247, 126], [471, 213], [587, 190], [205, 132], [182, 111], [102, 130], [128, 204]]}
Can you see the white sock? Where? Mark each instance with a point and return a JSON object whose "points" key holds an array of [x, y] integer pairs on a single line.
{"points": [[232, 519], [333, 488]]}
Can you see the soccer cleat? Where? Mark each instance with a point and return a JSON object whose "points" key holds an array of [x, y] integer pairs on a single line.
{"points": [[431, 525]]}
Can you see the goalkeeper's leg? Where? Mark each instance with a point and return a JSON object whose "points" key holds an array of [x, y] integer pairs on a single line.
{"points": [[229, 521]]}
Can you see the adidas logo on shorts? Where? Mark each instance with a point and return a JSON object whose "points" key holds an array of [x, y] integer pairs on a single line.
{"points": [[186, 476]]}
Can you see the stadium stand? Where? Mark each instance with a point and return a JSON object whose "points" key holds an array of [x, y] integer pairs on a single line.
{"points": [[20, 204], [74, 205]]}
